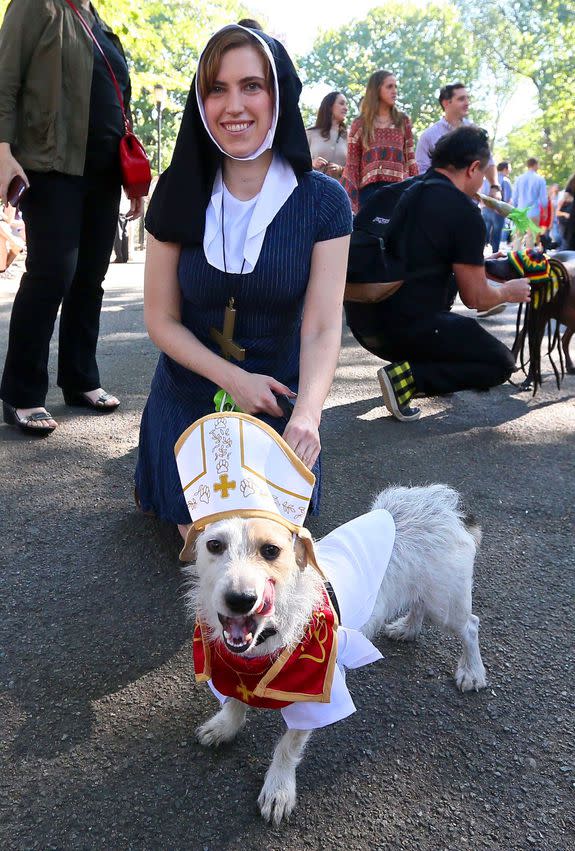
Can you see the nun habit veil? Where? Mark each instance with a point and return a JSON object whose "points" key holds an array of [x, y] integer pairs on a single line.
{"points": [[177, 208]]}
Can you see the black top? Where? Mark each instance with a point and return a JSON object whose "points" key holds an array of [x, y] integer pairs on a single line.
{"points": [[567, 226], [442, 227], [106, 124]]}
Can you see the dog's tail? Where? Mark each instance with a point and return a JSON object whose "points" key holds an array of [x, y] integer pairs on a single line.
{"points": [[472, 527], [412, 507]]}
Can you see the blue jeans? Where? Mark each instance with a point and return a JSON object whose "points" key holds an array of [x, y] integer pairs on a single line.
{"points": [[494, 224]]}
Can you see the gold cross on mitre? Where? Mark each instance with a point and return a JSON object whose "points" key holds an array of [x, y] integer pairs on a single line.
{"points": [[224, 486], [225, 337]]}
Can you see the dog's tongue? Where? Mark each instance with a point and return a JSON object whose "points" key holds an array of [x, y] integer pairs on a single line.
{"points": [[268, 599]]}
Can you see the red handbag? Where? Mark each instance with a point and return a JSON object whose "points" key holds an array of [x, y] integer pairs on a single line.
{"points": [[134, 162]]}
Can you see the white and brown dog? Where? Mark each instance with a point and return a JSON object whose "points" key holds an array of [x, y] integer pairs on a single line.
{"points": [[258, 588]]}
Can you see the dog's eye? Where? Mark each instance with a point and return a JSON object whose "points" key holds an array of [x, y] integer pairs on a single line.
{"points": [[270, 551], [215, 547]]}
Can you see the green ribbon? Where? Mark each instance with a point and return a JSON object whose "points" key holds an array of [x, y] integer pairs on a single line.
{"points": [[521, 222], [224, 402]]}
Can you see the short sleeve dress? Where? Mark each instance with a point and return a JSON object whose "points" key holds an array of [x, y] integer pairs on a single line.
{"points": [[269, 303]]}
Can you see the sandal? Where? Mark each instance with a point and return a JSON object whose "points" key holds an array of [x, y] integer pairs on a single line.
{"points": [[82, 400], [11, 417]]}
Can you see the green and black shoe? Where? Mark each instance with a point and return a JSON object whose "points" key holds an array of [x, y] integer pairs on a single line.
{"points": [[398, 388]]}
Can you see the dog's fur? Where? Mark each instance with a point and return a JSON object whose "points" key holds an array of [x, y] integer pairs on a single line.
{"points": [[429, 576]]}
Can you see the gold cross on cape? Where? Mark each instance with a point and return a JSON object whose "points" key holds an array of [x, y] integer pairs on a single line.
{"points": [[225, 337]]}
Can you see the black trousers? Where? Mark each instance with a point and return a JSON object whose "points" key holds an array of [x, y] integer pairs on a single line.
{"points": [[446, 352], [70, 227]]}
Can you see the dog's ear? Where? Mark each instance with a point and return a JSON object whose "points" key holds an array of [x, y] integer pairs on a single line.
{"points": [[188, 551], [304, 550]]}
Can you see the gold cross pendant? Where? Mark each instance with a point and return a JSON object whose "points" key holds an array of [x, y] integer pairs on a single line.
{"points": [[225, 337]]}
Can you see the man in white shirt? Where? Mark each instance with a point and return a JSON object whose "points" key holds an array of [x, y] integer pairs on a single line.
{"points": [[530, 191], [454, 101]]}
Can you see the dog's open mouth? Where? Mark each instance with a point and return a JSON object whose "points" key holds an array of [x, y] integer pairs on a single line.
{"points": [[239, 633]]}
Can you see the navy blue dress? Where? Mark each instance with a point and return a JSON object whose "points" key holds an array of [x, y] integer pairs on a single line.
{"points": [[269, 302]]}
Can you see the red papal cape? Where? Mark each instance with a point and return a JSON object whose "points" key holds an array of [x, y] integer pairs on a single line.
{"points": [[303, 673]]}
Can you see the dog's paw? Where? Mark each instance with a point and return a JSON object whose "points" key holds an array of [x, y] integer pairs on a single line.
{"points": [[277, 798], [215, 732], [467, 679], [403, 629]]}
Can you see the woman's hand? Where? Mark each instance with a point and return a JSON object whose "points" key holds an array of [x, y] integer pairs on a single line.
{"points": [[9, 168], [302, 435], [319, 163], [136, 209], [334, 170], [254, 393]]}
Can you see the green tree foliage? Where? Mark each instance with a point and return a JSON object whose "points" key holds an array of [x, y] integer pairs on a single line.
{"points": [[425, 48], [534, 39]]}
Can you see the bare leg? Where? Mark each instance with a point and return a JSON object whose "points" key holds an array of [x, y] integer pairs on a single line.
{"points": [[470, 673], [224, 726], [278, 796], [408, 627]]}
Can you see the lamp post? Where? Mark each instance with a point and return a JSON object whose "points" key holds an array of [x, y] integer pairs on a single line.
{"points": [[160, 97]]}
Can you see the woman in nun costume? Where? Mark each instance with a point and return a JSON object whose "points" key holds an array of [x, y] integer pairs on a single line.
{"points": [[245, 267]]}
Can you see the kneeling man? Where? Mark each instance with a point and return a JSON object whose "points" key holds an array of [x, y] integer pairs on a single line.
{"points": [[437, 234]]}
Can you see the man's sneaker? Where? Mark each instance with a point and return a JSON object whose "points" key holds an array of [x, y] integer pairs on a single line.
{"points": [[400, 412], [492, 311]]}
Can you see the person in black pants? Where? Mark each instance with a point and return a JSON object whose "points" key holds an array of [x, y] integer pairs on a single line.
{"points": [[68, 155], [437, 237]]}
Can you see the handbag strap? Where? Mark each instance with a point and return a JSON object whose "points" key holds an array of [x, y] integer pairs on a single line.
{"points": [[89, 32]]}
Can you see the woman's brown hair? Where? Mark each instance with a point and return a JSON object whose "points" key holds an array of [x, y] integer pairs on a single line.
{"points": [[570, 187], [370, 107], [324, 117], [219, 44]]}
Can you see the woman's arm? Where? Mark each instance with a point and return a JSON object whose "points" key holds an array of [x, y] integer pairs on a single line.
{"points": [[409, 150], [352, 172], [19, 34], [320, 345], [162, 315]]}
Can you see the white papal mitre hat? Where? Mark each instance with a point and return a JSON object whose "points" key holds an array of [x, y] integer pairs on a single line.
{"points": [[233, 465]]}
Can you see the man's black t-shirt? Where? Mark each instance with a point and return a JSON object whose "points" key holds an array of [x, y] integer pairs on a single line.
{"points": [[436, 227]]}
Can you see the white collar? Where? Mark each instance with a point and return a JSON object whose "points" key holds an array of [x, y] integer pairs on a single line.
{"points": [[280, 181]]}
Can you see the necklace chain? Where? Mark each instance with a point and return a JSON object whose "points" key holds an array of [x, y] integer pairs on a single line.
{"points": [[224, 242]]}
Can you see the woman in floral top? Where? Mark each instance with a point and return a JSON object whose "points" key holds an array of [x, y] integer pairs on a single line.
{"points": [[380, 144]]}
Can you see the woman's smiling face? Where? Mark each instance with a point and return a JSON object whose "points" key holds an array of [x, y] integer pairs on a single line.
{"points": [[239, 106]]}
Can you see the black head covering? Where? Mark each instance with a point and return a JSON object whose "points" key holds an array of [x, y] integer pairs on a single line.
{"points": [[177, 208]]}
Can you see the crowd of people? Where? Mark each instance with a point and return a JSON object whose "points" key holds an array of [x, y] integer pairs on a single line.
{"points": [[244, 287], [379, 149]]}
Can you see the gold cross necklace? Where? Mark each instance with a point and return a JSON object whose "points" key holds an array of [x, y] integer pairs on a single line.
{"points": [[225, 337]]}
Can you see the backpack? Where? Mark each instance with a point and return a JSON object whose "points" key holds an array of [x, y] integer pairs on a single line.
{"points": [[374, 271]]}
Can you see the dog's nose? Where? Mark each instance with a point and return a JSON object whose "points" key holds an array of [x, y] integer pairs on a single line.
{"points": [[241, 603]]}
